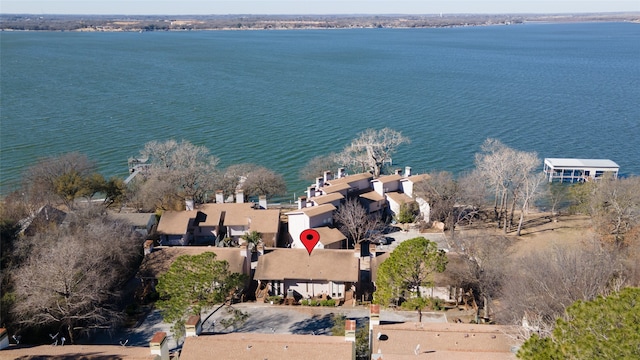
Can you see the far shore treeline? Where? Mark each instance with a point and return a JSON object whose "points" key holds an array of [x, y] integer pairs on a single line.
{"points": [[32, 22]]}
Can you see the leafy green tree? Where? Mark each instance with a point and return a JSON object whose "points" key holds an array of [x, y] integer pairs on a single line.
{"points": [[193, 283], [604, 328], [410, 266], [253, 239], [408, 212]]}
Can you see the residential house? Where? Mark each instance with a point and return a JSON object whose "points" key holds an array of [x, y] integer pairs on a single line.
{"points": [[408, 186], [332, 198], [141, 223], [176, 227], [159, 259], [296, 273], [330, 238], [46, 216], [373, 201], [346, 185], [211, 223], [308, 218]]}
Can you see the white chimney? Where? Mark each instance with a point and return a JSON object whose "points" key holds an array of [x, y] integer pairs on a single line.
{"points": [[188, 204], [340, 173], [239, 196], [327, 176], [159, 345], [319, 182], [262, 201], [219, 196], [311, 191], [407, 171], [302, 202], [398, 171]]}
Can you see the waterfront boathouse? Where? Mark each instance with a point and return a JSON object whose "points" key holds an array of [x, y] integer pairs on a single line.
{"points": [[578, 170]]}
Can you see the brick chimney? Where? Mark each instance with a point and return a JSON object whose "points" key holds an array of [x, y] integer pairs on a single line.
{"points": [[193, 326], [350, 330], [374, 315], [159, 345], [148, 247]]}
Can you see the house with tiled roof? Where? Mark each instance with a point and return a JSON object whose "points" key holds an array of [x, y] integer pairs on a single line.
{"points": [[295, 272]]}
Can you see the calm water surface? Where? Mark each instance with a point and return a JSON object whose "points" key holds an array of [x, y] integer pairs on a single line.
{"points": [[279, 98]]}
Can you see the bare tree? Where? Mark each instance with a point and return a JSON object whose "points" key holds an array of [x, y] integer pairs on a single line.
{"points": [[527, 193], [72, 276], [505, 171], [485, 259], [544, 283], [262, 181], [615, 208], [56, 179], [233, 176], [318, 165], [451, 201], [353, 220], [371, 149], [188, 168]]}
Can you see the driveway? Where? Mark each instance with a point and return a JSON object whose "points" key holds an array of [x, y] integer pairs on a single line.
{"points": [[400, 236]]}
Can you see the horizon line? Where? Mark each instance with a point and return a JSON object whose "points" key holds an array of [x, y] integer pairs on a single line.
{"points": [[631, 12]]}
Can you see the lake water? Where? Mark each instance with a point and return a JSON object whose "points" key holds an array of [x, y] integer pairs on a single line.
{"points": [[279, 98]]}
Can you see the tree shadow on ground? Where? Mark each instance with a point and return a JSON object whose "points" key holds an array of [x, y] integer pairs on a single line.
{"points": [[266, 324], [317, 325]]}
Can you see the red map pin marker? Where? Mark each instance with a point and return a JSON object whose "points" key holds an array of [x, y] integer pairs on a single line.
{"points": [[309, 239]]}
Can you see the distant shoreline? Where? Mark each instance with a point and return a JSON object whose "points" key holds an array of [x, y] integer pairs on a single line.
{"points": [[132, 23]]}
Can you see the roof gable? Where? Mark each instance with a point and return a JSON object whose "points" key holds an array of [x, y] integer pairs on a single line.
{"points": [[175, 222], [321, 264]]}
